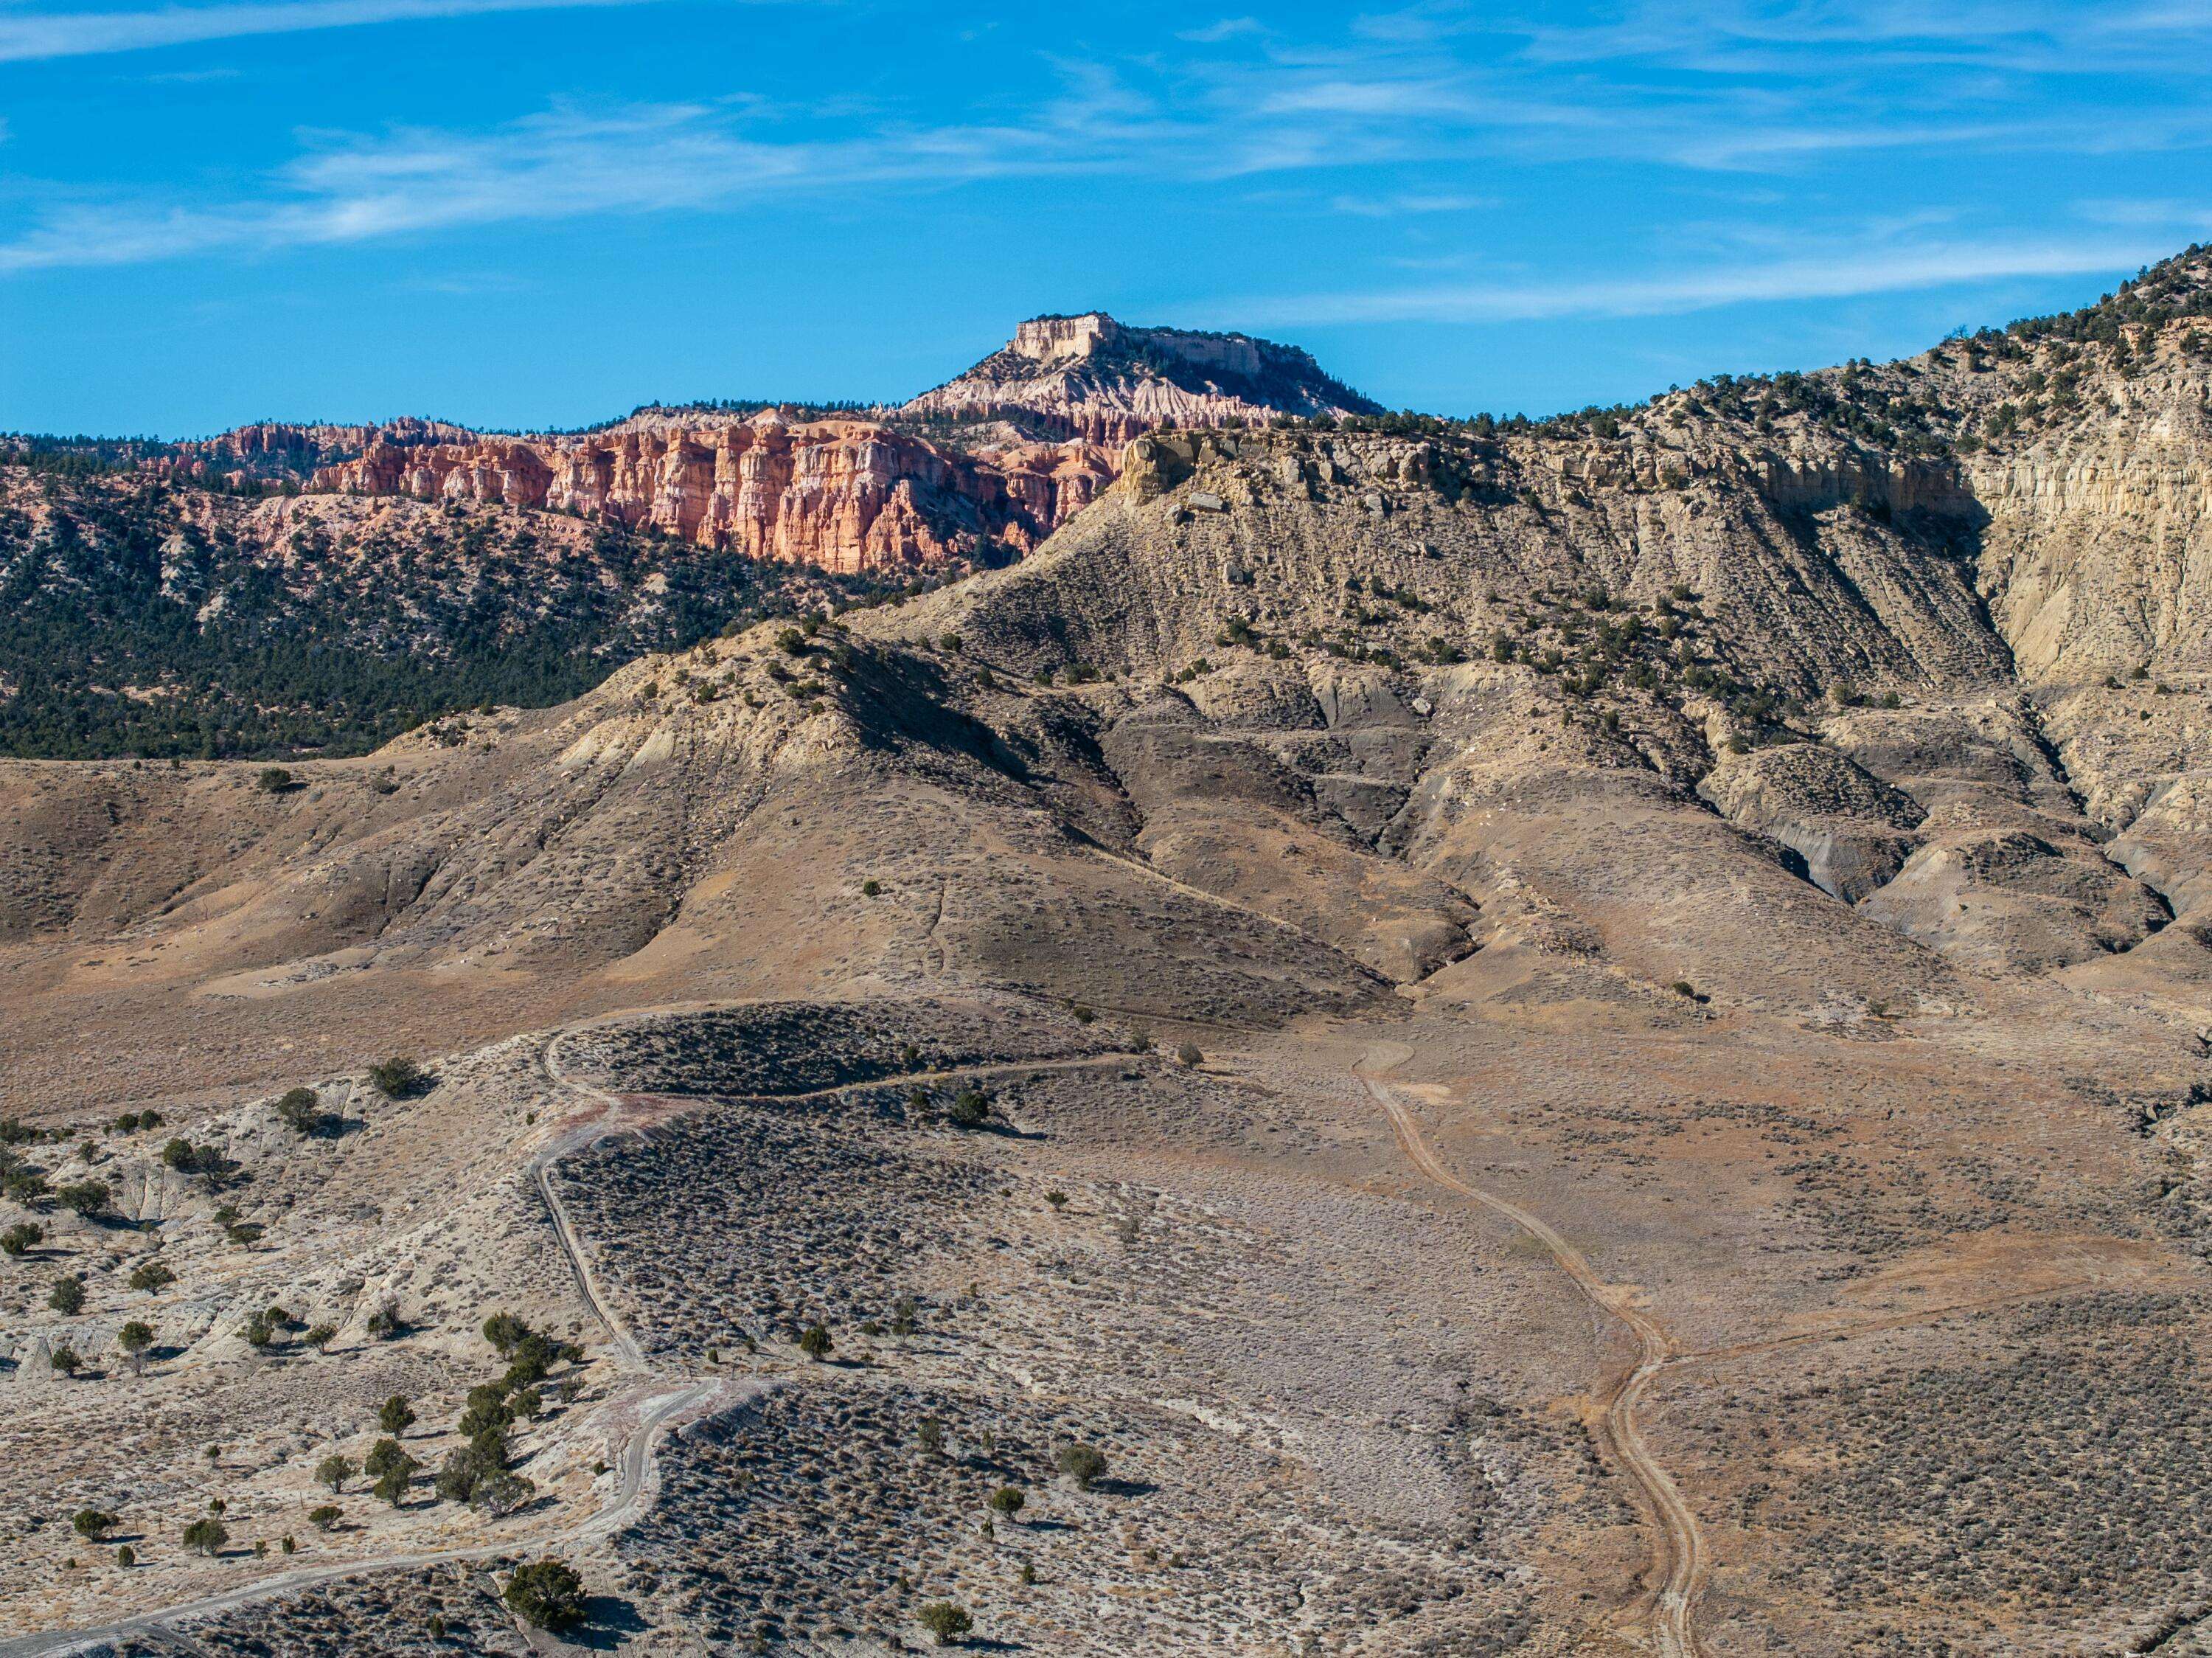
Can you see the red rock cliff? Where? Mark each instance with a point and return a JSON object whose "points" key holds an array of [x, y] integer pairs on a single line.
{"points": [[847, 495]]}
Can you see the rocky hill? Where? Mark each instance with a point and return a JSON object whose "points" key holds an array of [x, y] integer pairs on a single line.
{"points": [[1092, 378], [1984, 473], [1815, 651], [982, 469]]}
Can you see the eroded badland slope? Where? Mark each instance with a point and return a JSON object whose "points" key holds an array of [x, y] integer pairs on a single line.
{"points": [[1582, 1041]]}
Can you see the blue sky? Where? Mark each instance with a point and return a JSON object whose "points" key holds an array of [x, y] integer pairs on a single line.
{"points": [[518, 213]]}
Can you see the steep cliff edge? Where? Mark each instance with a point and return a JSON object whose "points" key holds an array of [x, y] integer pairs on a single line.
{"points": [[845, 495]]}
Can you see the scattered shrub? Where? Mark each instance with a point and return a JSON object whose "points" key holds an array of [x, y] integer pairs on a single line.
{"points": [[301, 1110], [150, 1276], [386, 1455], [548, 1595], [944, 1621], [395, 1078], [505, 1332], [334, 1471], [134, 1339], [85, 1196], [1084, 1464]]}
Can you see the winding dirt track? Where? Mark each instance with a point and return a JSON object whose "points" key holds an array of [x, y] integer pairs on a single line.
{"points": [[652, 1404], [1679, 1551]]}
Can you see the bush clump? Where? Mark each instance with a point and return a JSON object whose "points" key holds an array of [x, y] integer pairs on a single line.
{"points": [[945, 1622], [395, 1078], [1084, 1464], [300, 1110], [547, 1595]]}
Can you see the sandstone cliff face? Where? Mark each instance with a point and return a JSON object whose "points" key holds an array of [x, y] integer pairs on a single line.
{"points": [[278, 447], [2099, 549], [1093, 378], [845, 495]]}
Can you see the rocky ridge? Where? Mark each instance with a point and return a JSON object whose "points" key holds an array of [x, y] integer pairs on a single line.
{"points": [[980, 470], [845, 495]]}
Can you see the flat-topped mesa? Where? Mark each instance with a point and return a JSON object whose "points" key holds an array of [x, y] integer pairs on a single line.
{"points": [[843, 494], [823, 486], [1092, 378]]}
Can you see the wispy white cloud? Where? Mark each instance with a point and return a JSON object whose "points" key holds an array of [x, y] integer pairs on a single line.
{"points": [[1738, 37], [563, 164], [37, 35], [1837, 276], [1412, 95], [2165, 214], [1228, 28], [573, 163], [1395, 206]]}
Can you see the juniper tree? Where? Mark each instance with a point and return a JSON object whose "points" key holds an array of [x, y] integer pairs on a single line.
{"points": [[334, 1471], [134, 1339], [547, 1595], [944, 1621]]}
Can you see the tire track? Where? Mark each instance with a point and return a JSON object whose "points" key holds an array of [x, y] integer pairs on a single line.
{"points": [[1679, 1555], [657, 1403]]}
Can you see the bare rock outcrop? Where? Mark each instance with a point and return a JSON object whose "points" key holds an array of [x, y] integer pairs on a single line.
{"points": [[846, 495], [1853, 830], [1093, 378]]}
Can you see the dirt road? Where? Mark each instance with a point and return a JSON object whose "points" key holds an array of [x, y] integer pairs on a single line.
{"points": [[1679, 1547], [655, 1405]]}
